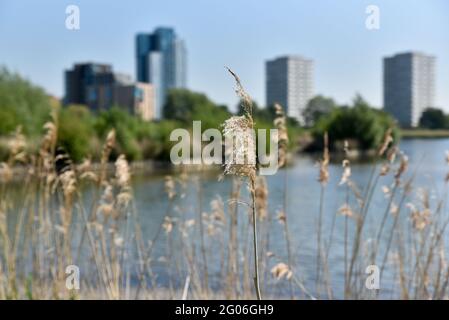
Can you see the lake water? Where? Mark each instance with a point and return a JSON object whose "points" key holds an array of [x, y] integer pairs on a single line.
{"points": [[297, 185], [427, 157]]}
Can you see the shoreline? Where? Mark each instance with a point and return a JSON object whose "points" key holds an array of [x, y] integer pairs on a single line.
{"points": [[424, 134], [162, 167]]}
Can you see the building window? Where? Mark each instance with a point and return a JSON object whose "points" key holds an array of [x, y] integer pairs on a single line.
{"points": [[92, 94], [138, 94], [108, 93]]}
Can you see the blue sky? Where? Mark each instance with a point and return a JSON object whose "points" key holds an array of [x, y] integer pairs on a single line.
{"points": [[241, 34]]}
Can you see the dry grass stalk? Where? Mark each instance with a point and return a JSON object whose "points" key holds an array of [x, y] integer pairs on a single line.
{"points": [[243, 127], [323, 178], [388, 139], [280, 122], [38, 224], [261, 192]]}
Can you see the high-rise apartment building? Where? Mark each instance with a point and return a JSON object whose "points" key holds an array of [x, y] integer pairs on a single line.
{"points": [[98, 87], [289, 82], [409, 86], [161, 61]]}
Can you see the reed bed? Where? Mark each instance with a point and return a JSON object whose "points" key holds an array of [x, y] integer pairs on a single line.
{"points": [[222, 247]]}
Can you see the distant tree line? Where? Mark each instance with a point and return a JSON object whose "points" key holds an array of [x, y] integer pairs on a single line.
{"points": [[81, 131]]}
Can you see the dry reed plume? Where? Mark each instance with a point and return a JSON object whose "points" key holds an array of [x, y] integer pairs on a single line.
{"points": [[86, 215]]}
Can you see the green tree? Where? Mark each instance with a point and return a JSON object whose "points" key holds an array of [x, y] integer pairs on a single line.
{"points": [[22, 103], [360, 123], [433, 118], [76, 130], [9, 119], [317, 108], [127, 127], [186, 106]]}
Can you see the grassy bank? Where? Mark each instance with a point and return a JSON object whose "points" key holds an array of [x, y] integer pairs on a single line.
{"points": [[424, 133]]}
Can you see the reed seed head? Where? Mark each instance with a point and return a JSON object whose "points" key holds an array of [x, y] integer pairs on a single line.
{"points": [[123, 180], [108, 146], [280, 123], [68, 180], [261, 193], [217, 207], [17, 145], [346, 172], [346, 211], [420, 218], [247, 103], [282, 218], [6, 173], [167, 225], [170, 187], [239, 130], [394, 209], [324, 163], [403, 166], [241, 151], [388, 139], [281, 270], [50, 137], [122, 172]]}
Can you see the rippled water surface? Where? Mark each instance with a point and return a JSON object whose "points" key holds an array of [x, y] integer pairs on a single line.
{"points": [[302, 193]]}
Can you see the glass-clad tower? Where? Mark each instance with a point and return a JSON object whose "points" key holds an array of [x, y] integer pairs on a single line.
{"points": [[161, 61]]}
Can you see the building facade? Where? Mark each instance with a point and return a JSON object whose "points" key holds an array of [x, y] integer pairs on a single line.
{"points": [[161, 59], [138, 98], [409, 86], [289, 82], [99, 88], [84, 84]]}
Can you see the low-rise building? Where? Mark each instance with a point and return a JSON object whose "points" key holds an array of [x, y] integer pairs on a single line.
{"points": [[99, 88]]}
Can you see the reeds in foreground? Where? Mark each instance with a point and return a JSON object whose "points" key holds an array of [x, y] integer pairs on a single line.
{"points": [[242, 129], [62, 214]]}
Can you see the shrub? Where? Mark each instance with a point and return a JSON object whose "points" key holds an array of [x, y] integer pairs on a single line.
{"points": [[186, 106], [433, 118], [22, 103], [76, 131], [360, 123]]}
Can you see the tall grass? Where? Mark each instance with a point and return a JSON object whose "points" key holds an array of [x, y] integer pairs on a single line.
{"points": [[54, 213]]}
